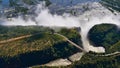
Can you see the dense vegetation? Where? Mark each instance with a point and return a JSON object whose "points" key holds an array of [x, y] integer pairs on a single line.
{"points": [[92, 61], [104, 35], [15, 31], [45, 46], [40, 48], [115, 47], [107, 35]]}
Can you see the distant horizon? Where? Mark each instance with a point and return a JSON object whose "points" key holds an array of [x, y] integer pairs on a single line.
{"points": [[74, 2], [59, 2]]}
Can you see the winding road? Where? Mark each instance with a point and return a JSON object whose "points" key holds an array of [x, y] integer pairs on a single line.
{"points": [[77, 46]]}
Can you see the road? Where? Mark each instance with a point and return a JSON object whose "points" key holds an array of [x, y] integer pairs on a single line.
{"points": [[18, 38], [14, 39], [26, 36], [111, 54], [71, 42]]}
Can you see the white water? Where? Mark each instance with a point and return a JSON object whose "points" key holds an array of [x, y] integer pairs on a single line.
{"points": [[96, 14]]}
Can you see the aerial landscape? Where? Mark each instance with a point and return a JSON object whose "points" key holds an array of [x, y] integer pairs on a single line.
{"points": [[59, 33]]}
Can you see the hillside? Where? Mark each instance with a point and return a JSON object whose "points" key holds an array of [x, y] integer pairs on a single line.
{"points": [[40, 47], [108, 36], [104, 35]]}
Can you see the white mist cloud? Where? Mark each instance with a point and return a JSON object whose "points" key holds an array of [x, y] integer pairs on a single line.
{"points": [[45, 18], [18, 22]]}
